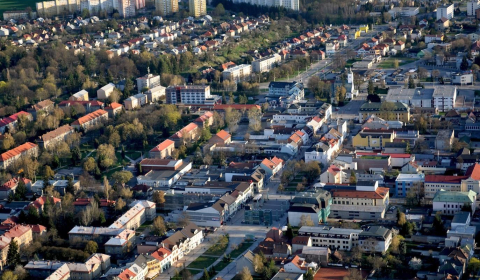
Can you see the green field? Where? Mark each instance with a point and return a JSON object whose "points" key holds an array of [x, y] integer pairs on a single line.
{"points": [[12, 5]]}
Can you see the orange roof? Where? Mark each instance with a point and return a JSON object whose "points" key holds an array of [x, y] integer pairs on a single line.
{"points": [[17, 231], [294, 138], [380, 193], [333, 169], [39, 202], [17, 151], [235, 106], [113, 106], [223, 134], [189, 127], [272, 163], [13, 183], [38, 228], [126, 274], [90, 117], [474, 171], [162, 146], [336, 273], [161, 253]]}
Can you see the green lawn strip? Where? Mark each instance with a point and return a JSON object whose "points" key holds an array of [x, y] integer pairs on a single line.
{"points": [[218, 249], [221, 265], [202, 262], [240, 250]]}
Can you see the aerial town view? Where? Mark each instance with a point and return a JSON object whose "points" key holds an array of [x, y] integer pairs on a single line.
{"points": [[239, 139]]}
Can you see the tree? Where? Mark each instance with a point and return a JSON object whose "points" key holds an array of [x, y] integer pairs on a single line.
{"points": [[8, 142], [158, 227], [245, 274], [21, 190], [340, 94], [183, 219], [415, 194], [306, 220], [289, 233], [353, 178], [89, 164], [122, 177], [258, 263], [255, 119], [120, 204], [219, 11], [48, 173], [473, 266], [435, 74], [464, 64], [91, 247], [20, 272], [106, 155], [395, 64], [232, 118], [159, 197], [9, 275], [437, 226], [205, 275], [371, 88], [13, 255], [401, 219], [411, 82]]}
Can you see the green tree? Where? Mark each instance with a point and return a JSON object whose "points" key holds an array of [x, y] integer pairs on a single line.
{"points": [[289, 233], [91, 247], [437, 226], [21, 190], [411, 82], [371, 88], [13, 255], [464, 64], [158, 227], [309, 275], [353, 178], [205, 275], [219, 10], [122, 177], [48, 173], [9, 275]]}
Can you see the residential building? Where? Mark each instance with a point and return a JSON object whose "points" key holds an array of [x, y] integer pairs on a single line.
{"points": [[246, 260], [435, 183], [166, 7], [286, 89], [367, 201], [265, 64], [238, 72], [114, 109], [164, 178], [315, 205], [80, 96], [451, 202], [148, 81], [472, 6], [52, 138], [191, 94], [287, 4], [46, 106], [298, 265], [11, 121], [90, 120], [333, 238], [155, 94], [375, 239], [105, 91], [462, 78], [444, 140], [197, 8], [444, 98], [405, 182], [415, 98], [445, 11], [371, 138], [334, 175], [163, 150], [11, 185], [271, 166], [9, 157], [22, 234], [189, 133], [126, 8], [400, 113], [90, 106]]}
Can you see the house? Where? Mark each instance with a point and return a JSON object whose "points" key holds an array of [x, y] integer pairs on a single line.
{"points": [[434, 38], [90, 120], [45, 106], [9, 157], [114, 109], [163, 150], [399, 45], [10, 122], [220, 139], [11, 185], [39, 203], [383, 238], [105, 91], [80, 96], [190, 133], [317, 255], [50, 139], [444, 140], [451, 202], [334, 175], [272, 166], [298, 265]]}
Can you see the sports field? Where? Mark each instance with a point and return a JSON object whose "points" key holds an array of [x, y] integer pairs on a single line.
{"points": [[12, 5]]}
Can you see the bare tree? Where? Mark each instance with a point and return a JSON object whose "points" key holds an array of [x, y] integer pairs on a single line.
{"points": [[255, 119], [232, 117]]}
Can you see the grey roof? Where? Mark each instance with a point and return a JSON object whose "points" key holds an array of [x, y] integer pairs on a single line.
{"points": [[287, 275], [409, 93], [460, 217], [445, 91], [375, 231]]}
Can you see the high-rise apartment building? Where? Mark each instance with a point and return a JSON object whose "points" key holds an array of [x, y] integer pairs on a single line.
{"points": [[288, 4], [197, 8], [166, 7], [472, 6], [126, 8]]}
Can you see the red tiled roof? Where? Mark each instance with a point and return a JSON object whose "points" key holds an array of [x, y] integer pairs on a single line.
{"points": [[160, 253], [333, 169], [223, 134], [474, 172], [38, 228], [17, 231], [12, 118], [162, 146], [85, 201], [39, 202], [90, 117], [300, 240], [127, 274], [378, 194], [235, 106], [113, 106], [444, 179], [16, 151], [13, 183]]}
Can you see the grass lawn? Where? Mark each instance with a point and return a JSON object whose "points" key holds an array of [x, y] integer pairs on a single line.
{"points": [[12, 5], [144, 226], [240, 250], [218, 248], [388, 63], [133, 155], [202, 262], [221, 265]]}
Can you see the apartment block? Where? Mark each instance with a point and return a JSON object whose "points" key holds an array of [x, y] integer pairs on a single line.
{"points": [[105, 91], [11, 121], [444, 97], [135, 102], [191, 94], [166, 7], [9, 157], [237, 73], [88, 121], [56, 136], [445, 11], [451, 202], [163, 150], [197, 8], [80, 96], [287, 4], [265, 64], [148, 81], [334, 238], [472, 6], [155, 94]]}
